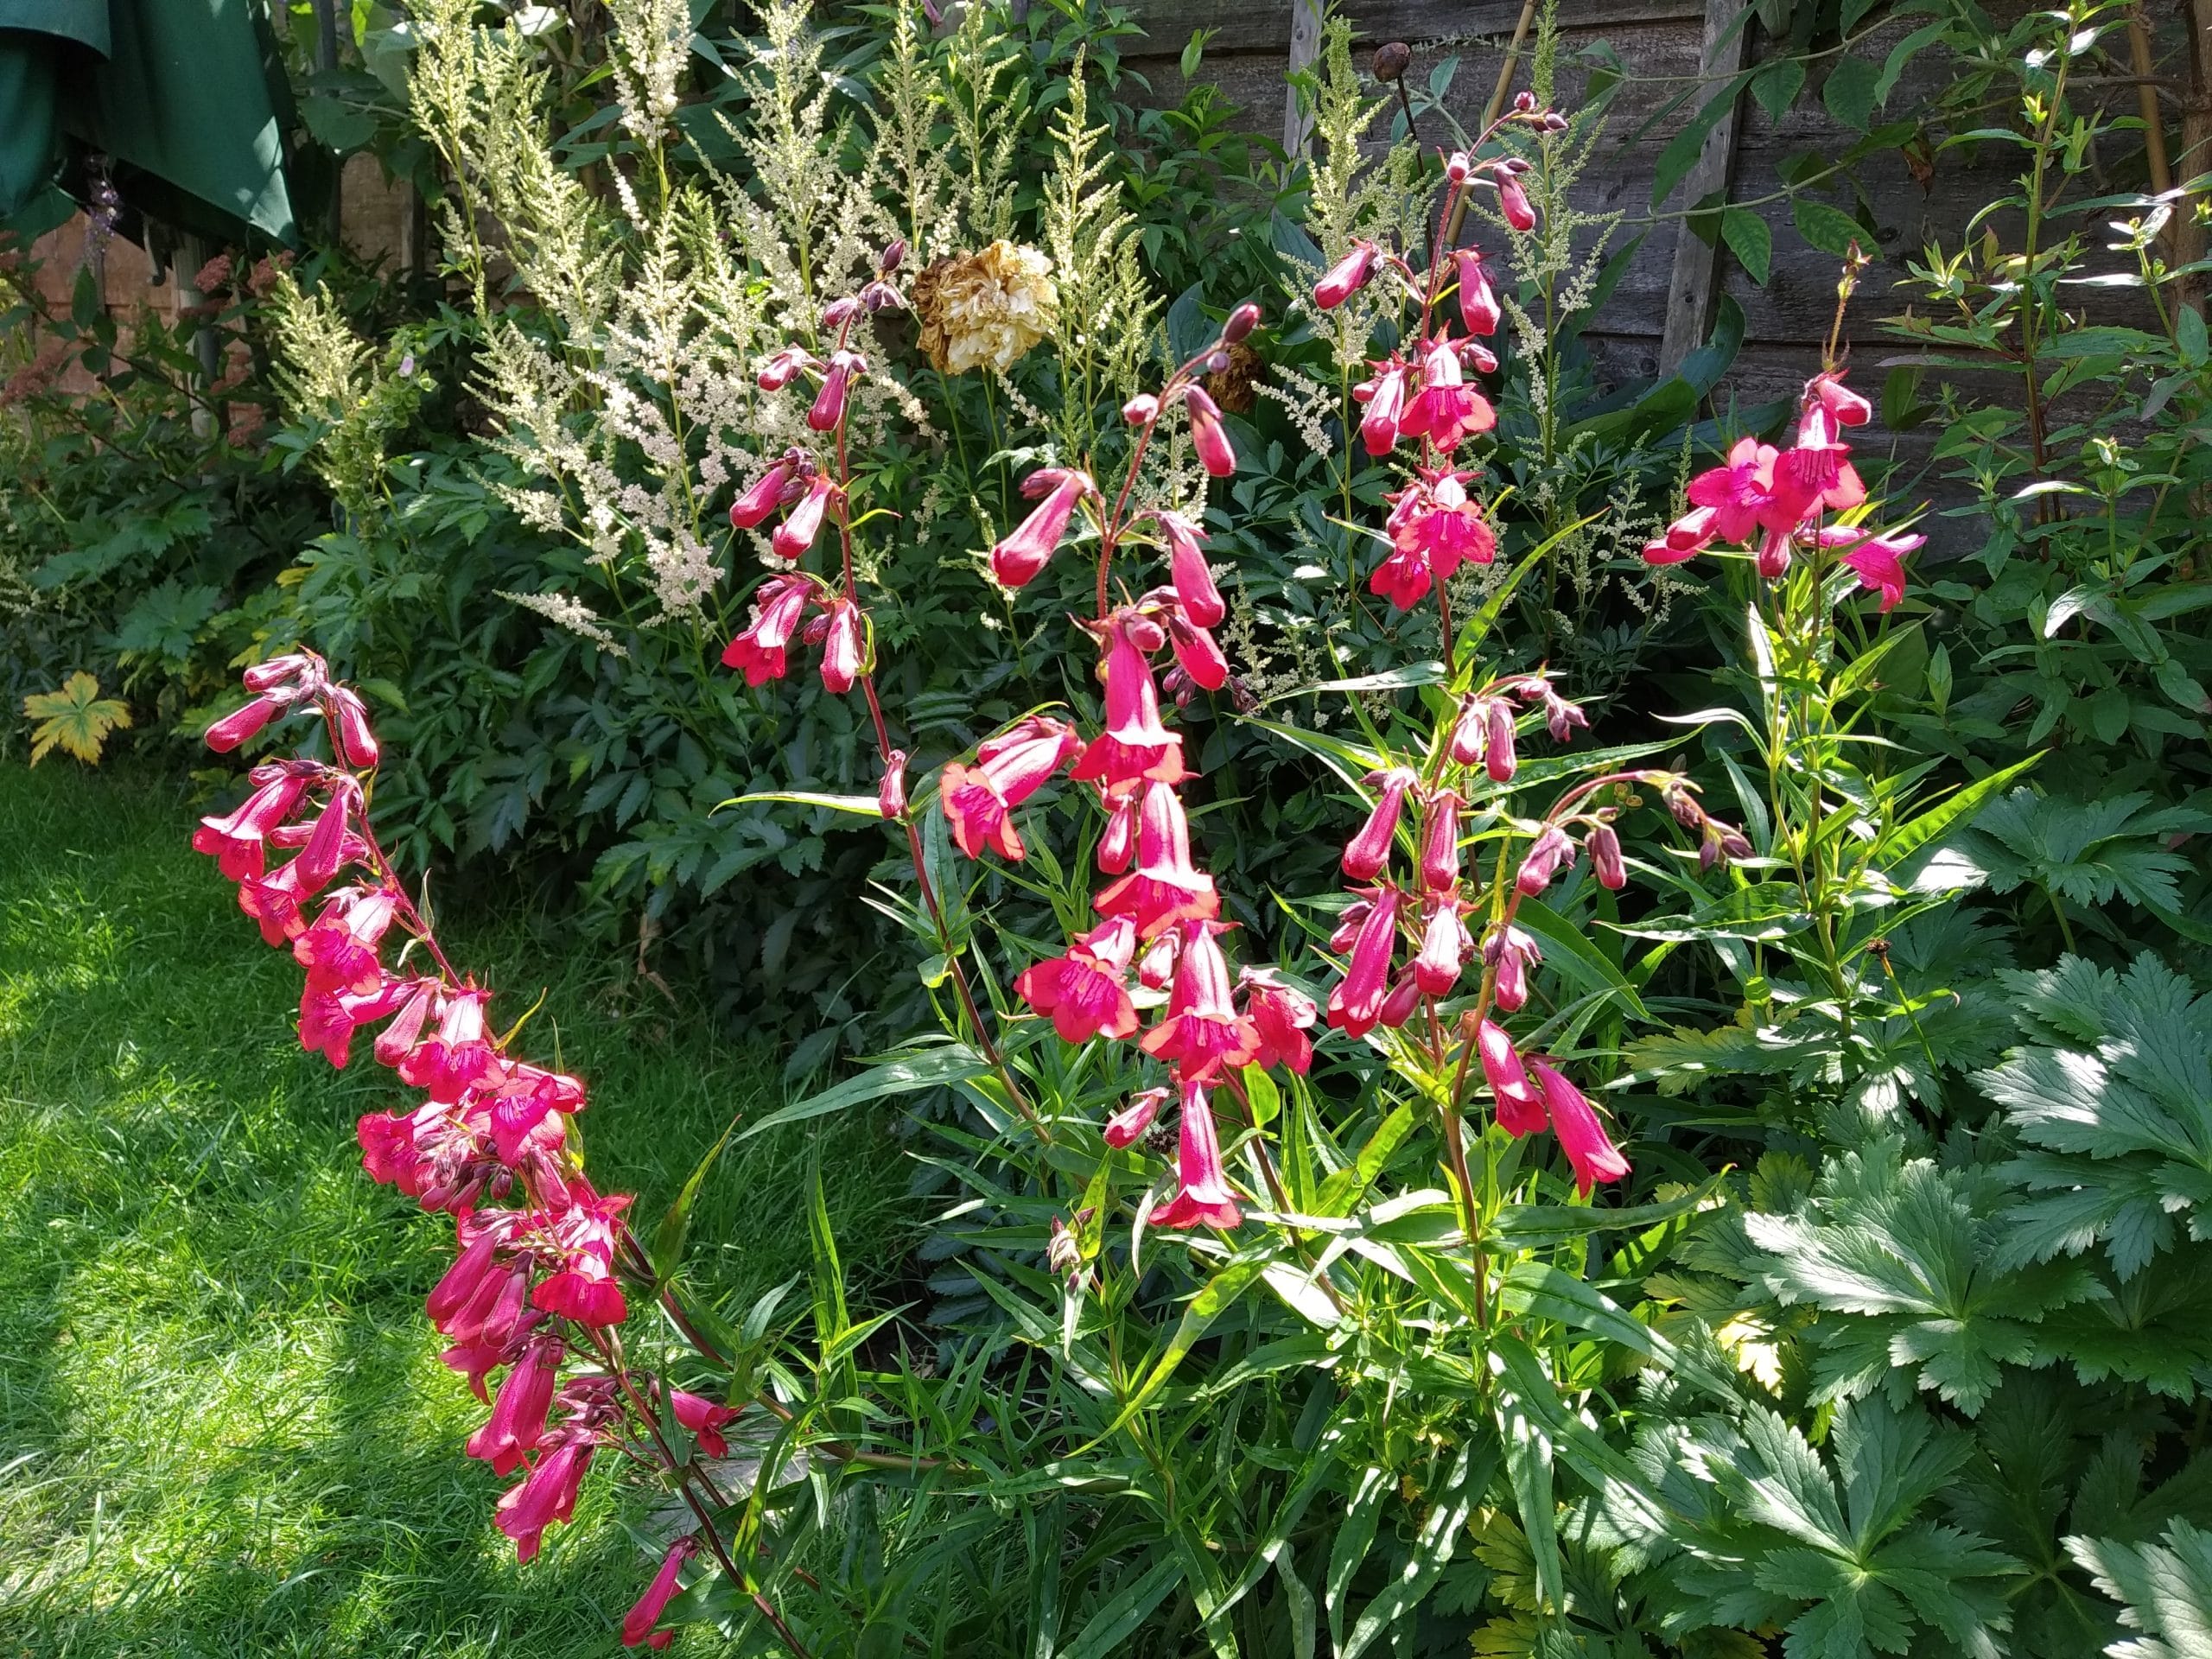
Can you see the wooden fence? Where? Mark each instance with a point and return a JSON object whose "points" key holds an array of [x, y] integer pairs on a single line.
{"points": [[1668, 47]]}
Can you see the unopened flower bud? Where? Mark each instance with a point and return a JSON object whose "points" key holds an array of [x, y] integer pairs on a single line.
{"points": [[1141, 410], [1513, 202], [1391, 60], [1524, 101], [1549, 853], [1459, 170], [892, 256], [1603, 846], [891, 792], [1217, 363], [838, 313], [1242, 321]]}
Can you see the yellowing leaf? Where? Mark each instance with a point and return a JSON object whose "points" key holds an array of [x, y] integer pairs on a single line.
{"points": [[76, 718]]}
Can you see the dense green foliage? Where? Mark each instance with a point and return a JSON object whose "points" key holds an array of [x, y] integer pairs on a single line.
{"points": [[1896, 1341]]}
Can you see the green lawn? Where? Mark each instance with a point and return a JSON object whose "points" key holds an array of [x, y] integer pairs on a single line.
{"points": [[223, 1426]]}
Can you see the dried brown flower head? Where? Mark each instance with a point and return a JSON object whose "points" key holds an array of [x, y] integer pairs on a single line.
{"points": [[985, 307], [1232, 387]]}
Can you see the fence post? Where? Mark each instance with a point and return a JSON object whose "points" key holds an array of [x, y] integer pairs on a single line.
{"points": [[1305, 47], [1697, 262]]}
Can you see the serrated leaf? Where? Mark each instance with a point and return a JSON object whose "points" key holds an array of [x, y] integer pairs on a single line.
{"points": [[75, 719], [2113, 1102]]}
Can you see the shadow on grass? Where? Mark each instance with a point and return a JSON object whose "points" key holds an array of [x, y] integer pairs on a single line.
{"points": [[223, 1426]]}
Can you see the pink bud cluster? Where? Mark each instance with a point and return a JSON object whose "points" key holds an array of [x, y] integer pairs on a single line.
{"points": [[1436, 526], [534, 1284], [1776, 499]]}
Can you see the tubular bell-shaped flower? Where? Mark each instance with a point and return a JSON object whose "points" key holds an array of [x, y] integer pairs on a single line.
{"points": [[778, 604], [1356, 1005], [1086, 990], [1016, 560], [1135, 745], [1447, 409], [1435, 528], [1203, 1031], [1202, 1195], [1281, 1016], [1165, 887], [637, 1623], [1368, 852], [1588, 1147], [1187, 566], [978, 800], [1207, 437], [1520, 1109]]}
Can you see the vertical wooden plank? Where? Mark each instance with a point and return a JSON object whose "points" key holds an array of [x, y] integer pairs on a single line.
{"points": [[1697, 266], [1305, 47]]}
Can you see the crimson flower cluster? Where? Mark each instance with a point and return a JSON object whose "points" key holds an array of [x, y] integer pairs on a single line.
{"points": [[1776, 499], [533, 1289], [1160, 924]]}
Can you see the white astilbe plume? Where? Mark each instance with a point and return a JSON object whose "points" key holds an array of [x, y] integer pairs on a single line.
{"points": [[652, 41], [569, 612]]}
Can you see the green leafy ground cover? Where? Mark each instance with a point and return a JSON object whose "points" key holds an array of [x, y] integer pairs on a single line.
{"points": [[224, 1429]]}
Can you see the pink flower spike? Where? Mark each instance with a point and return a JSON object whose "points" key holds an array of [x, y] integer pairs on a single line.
{"points": [[235, 727], [1127, 1126], [1366, 854], [777, 605], [1589, 1149], [751, 510], [1357, 1003], [804, 522], [703, 1418], [1186, 564], [1520, 1110], [1017, 559], [1203, 1196], [1346, 277], [1281, 1015], [1207, 437], [1479, 307], [1440, 845], [637, 1623]]}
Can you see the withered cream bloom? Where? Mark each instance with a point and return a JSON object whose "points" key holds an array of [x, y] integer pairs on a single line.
{"points": [[985, 307]]}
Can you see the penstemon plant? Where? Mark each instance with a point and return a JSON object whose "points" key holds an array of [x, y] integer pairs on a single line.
{"points": [[1297, 1318]]}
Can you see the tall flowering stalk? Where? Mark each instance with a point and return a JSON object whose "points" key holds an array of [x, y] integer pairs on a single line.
{"points": [[535, 1301]]}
